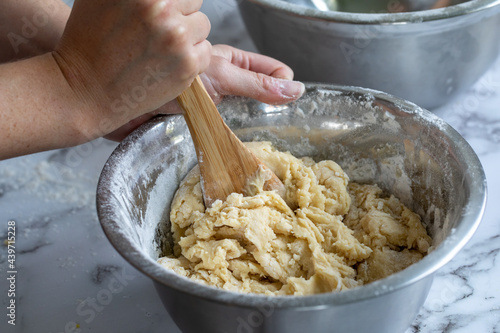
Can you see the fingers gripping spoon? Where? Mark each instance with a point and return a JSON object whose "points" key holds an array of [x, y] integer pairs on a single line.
{"points": [[225, 162]]}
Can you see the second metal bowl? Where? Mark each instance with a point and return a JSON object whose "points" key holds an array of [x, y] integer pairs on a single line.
{"points": [[427, 57]]}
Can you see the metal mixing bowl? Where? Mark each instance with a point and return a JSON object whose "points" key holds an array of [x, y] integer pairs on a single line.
{"points": [[427, 57], [375, 137]]}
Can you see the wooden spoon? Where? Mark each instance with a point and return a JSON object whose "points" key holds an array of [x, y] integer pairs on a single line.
{"points": [[225, 162]]}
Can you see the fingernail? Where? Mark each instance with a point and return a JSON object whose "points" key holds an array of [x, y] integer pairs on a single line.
{"points": [[291, 89]]}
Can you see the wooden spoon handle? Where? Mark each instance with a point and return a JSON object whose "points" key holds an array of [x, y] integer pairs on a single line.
{"points": [[225, 162]]}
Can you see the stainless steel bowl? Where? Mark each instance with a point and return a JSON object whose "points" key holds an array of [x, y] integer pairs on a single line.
{"points": [[375, 137], [427, 57]]}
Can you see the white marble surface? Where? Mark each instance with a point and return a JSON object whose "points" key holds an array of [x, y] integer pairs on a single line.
{"points": [[69, 276]]}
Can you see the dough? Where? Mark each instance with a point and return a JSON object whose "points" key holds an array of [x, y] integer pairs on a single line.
{"points": [[326, 235]]}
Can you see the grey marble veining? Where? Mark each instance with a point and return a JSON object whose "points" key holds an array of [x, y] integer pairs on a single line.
{"points": [[70, 279]]}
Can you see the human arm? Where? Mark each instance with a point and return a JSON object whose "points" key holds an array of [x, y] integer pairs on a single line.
{"points": [[50, 102], [30, 28], [109, 49]]}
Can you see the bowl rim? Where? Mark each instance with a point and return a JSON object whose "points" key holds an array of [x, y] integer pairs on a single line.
{"points": [[461, 9], [469, 222]]}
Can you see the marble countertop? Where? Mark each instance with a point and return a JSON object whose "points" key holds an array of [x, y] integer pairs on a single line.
{"points": [[65, 264]]}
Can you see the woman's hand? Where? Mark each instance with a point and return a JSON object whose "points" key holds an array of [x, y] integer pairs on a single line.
{"points": [[235, 72], [125, 58]]}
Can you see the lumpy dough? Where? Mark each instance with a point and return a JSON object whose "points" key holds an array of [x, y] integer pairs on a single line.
{"points": [[326, 234]]}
